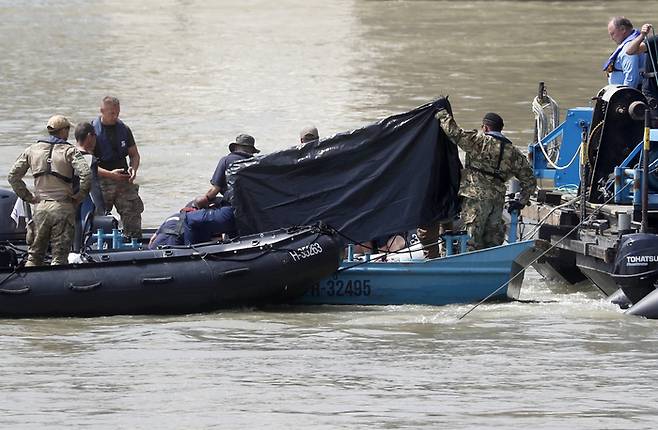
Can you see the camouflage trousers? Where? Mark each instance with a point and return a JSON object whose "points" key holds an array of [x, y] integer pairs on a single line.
{"points": [[53, 223], [125, 197], [429, 236], [483, 221]]}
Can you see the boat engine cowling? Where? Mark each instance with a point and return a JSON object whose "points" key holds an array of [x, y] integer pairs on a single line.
{"points": [[636, 265]]}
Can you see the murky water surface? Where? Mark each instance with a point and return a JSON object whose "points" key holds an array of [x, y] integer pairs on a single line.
{"points": [[191, 75]]}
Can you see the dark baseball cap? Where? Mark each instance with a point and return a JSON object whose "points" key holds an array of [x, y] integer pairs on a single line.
{"points": [[493, 120]]}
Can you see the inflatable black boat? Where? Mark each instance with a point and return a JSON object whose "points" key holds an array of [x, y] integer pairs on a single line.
{"points": [[259, 269]]}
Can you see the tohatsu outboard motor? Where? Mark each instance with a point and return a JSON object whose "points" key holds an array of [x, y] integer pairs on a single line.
{"points": [[636, 265]]}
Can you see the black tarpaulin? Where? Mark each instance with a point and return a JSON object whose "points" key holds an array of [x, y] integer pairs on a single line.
{"points": [[381, 179]]}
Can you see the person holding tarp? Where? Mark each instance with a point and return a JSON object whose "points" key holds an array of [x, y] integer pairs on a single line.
{"points": [[491, 160], [376, 181]]}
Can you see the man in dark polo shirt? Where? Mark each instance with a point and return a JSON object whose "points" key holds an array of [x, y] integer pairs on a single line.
{"points": [[242, 149], [115, 143]]}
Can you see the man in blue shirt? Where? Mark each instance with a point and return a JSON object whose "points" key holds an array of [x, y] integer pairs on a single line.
{"points": [[197, 223], [242, 149], [622, 68]]}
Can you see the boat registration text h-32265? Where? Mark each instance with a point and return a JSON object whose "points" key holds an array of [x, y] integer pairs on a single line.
{"points": [[306, 251]]}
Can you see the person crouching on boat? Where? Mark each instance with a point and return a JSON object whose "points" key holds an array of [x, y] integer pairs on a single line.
{"points": [[53, 162], [491, 160], [197, 223]]}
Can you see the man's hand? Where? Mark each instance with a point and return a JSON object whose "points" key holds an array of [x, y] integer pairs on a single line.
{"points": [[132, 173], [646, 28], [515, 205], [119, 175], [443, 104]]}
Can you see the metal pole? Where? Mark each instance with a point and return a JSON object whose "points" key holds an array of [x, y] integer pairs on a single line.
{"points": [[645, 172]]}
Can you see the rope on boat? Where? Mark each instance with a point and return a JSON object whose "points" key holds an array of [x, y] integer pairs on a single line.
{"points": [[591, 215], [543, 129]]}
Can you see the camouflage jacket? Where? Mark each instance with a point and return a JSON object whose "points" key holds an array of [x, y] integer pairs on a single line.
{"points": [[482, 154]]}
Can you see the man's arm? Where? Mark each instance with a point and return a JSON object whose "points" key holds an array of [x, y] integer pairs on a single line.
{"points": [[525, 175], [82, 170], [468, 140], [133, 155], [212, 192], [218, 178], [637, 45], [15, 179]]}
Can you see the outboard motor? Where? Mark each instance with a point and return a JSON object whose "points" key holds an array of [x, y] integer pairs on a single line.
{"points": [[636, 265]]}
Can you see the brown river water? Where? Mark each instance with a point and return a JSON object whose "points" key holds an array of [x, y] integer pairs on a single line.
{"points": [[191, 75]]}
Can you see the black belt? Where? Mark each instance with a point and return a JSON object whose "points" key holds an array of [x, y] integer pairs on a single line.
{"points": [[648, 74]]}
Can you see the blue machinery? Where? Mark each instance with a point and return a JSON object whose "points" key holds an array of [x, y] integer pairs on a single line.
{"points": [[573, 131], [113, 240], [630, 172]]}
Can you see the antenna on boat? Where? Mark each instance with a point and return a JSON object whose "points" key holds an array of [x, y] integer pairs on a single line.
{"points": [[644, 227]]}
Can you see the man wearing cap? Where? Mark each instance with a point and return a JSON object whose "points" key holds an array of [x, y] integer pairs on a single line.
{"points": [[115, 142], [53, 162], [309, 134], [243, 148], [491, 160]]}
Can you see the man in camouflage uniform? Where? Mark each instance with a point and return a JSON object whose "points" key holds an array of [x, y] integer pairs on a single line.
{"points": [[53, 162], [491, 160], [115, 142]]}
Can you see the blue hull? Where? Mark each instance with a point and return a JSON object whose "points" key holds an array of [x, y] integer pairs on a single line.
{"points": [[462, 278]]}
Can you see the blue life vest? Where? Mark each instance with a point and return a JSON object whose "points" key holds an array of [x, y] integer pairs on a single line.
{"points": [[111, 151]]}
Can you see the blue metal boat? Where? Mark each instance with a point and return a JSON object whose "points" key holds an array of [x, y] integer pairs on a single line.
{"points": [[493, 274]]}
